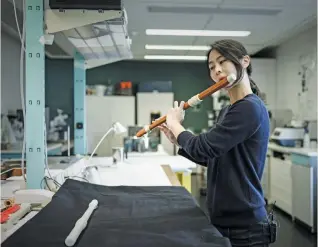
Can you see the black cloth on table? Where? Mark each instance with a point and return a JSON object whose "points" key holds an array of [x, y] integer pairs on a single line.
{"points": [[127, 216]]}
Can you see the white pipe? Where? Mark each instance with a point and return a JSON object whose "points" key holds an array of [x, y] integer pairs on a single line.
{"points": [[80, 224]]}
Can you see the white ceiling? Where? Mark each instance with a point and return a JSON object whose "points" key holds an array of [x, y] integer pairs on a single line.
{"points": [[270, 22]]}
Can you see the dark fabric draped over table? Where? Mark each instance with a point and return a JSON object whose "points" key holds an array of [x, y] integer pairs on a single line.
{"points": [[127, 216]]}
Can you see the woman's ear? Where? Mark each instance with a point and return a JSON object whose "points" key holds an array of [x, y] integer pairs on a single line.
{"points": [[246, 61]]}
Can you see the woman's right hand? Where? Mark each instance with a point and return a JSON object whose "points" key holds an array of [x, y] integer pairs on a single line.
{"points": [[163, 128]]}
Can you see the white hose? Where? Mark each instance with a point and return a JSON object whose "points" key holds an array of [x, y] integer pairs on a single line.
{"points": [[80, 224]]}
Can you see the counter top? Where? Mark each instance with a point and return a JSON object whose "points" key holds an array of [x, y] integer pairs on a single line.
{"points": [[303, 151], [177, 163]]}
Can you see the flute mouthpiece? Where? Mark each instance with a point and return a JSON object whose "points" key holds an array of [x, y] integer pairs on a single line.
{"points": [[231, 78]]}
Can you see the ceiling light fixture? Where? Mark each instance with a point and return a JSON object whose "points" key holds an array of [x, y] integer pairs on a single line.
{"points": [[178, 47], [170, 57], [176, 32]]}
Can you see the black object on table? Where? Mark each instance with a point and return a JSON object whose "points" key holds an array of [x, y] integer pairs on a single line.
{"points": [[126, 216]]}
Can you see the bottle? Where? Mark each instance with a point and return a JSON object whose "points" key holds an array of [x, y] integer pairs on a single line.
{"points": [[306, 143]]}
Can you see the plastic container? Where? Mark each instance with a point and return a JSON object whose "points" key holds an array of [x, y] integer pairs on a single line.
{"points": [[100, 90], [306, 140]]}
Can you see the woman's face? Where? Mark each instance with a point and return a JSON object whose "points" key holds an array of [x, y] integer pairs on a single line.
{"points": [[219, 66]]}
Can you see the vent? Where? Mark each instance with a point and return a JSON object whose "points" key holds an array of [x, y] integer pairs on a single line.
{"points": [[85, 4], [213, 10], [102, 42]]}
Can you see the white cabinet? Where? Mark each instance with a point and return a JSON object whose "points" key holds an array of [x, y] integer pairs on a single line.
{"points": [[101, 113], [281, 182], [304, 189], [148, 103]]}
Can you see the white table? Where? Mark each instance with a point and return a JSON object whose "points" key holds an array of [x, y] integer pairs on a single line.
{"points": [[177, 163], [141, 175]]}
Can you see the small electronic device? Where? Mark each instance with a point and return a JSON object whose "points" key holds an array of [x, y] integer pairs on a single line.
{"points": [[287, 137]]}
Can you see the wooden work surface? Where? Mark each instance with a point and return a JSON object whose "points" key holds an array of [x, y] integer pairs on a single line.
{"points": [[171, 175]]}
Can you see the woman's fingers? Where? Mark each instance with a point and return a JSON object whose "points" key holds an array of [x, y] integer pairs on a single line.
{"points": [[164, 125], [182, 105]]}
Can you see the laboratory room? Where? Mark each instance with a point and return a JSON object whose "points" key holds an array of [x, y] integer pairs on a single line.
{"points": [[154, 123]]}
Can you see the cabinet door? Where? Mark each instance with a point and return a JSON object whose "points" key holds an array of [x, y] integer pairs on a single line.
{"points": [[281, 184], [303, 193]]}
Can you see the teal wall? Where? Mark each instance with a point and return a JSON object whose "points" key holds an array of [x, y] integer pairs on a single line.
{"points": [[187, 80]]}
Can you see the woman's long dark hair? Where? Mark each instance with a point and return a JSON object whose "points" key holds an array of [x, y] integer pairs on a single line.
{"points": [[234, 51]]}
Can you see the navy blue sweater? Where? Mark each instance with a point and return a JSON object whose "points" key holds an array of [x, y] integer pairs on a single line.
{"points": [[234, 152]]}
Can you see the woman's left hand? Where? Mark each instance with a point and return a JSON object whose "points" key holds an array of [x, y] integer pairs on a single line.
{"points": [[175, 115]]}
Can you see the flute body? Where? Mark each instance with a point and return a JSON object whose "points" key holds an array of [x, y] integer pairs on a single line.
{"points": [[196, 99]]}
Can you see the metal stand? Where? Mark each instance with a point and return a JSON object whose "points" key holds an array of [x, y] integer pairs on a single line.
{"points": [[79, 104], [35, 94]]}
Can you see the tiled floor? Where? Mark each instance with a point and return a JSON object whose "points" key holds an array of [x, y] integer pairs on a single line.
{"points": [[289, 234]]}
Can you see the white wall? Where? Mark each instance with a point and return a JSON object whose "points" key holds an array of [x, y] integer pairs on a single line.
{"points": [[289, 90], [10, 73], [264, 75]]}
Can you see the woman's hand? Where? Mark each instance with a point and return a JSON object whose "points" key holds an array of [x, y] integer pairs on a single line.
{"points": [[174, 119], [168, 133], [175, 115]]}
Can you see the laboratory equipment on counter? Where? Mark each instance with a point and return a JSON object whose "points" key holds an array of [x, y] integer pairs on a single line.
{"points": [[149, 142], [288, 137], [193, 101]]}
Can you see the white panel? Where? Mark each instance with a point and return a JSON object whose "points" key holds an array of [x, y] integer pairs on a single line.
{"points": [[250, 4], [102, 112], [141, 19], [154, 102], [234, 22], [265, 4]]}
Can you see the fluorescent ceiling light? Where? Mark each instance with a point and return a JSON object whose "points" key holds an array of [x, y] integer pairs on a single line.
{"points": [[178, 47], [175, 32], [168, 57]]}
